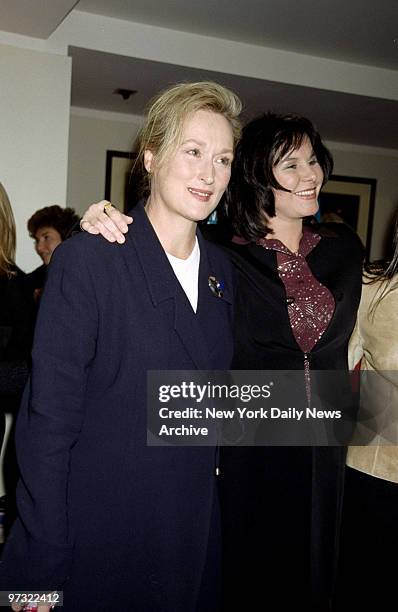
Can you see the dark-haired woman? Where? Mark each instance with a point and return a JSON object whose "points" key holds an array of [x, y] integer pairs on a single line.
{"points": [[367, 573], [299, 289], [298, 293]]}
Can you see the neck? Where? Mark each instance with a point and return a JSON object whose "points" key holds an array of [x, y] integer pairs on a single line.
{"points": [[176, 234], [288, 231]]}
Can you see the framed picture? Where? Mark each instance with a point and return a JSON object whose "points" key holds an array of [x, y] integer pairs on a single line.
{"points": [[117, 175], [350, 200]]}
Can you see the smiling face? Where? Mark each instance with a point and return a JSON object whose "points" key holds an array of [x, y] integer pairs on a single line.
{"points": [[300, 172], [191, 181], [46, 239]]}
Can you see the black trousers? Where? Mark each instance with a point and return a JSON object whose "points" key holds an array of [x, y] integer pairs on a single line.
{"points": [[367, 577], [266, 511]]}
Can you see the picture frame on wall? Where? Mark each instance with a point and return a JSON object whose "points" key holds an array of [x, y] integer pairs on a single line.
{"points": [[117, 178], [350, 200]]}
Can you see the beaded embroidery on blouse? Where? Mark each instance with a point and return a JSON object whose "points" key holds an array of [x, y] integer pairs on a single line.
{"points": [[310, 304]]}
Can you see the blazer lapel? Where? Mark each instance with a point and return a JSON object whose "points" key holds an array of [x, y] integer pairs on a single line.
{"points": [[187, 326], [143, 243], [212, 314]]}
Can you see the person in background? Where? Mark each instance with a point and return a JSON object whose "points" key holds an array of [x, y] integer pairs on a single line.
{"points": [[16, 332], [48, 227], [16, 315], [297, 295], [367, 575], [112, 522]]}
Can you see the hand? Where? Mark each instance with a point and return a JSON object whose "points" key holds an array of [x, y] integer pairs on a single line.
{"points": [[111, 224]]}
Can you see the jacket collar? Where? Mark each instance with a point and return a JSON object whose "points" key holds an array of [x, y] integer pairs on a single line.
{"points": [[143, 243]]}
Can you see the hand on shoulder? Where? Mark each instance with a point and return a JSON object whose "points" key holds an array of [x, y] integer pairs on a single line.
{"points": [[103, 218]]}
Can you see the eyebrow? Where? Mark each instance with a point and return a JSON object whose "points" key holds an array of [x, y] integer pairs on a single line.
{"points": [[201, 143], [292, 158]]}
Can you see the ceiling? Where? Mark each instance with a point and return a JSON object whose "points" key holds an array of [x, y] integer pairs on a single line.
{"points": [[358, 31], [339, 116], [38, 18]]}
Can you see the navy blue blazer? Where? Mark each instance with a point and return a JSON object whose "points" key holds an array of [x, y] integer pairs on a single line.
{"points": [[103, 516]]}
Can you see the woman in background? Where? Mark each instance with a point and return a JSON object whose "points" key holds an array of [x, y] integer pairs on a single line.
{"points": [[298, 292], [16, 332], [367, 574], [16, 319]]}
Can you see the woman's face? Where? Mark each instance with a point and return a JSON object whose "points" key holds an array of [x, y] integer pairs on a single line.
{"points": [[300, 172], [191, 181], [46, 239]]}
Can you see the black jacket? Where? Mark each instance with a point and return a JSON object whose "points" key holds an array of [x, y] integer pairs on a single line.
{"points": [[16, 332], [282, 505]]}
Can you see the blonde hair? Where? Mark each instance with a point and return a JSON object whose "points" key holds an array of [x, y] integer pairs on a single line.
{"points": [[7, 235], [168, 111]]}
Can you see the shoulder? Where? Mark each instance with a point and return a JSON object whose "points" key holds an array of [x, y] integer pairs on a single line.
{"points": [[15, 275], [215, 252], [219, 262], [15, 285], [342, 234], [87, 251], [337, 230], [370, 288], [374, 287]]}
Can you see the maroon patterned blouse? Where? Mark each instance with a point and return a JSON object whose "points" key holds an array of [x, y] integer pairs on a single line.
{"points": [[310, 304]]}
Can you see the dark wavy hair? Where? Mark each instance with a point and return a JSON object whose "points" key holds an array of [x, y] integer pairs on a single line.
{"points": [[61, 219], [265, 141], [384, 271]]}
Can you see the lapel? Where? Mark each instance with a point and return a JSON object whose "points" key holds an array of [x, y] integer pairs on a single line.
{"points": [[143, 244], [212, 313], [199, 332], [259, 265], [319, 261]]}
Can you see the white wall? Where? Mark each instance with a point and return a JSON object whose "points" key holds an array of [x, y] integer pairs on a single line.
{"points": [[34, 126], [91, 134], [379, 164]]}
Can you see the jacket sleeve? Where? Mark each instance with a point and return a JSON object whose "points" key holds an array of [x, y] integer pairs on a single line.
{"points": [[39, 549]]}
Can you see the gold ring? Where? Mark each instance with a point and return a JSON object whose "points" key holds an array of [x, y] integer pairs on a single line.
{"points": [[106, 206]]}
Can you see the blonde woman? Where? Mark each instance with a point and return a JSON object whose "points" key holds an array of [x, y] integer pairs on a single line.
{"points": [[15, 315], [114, 523]]}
